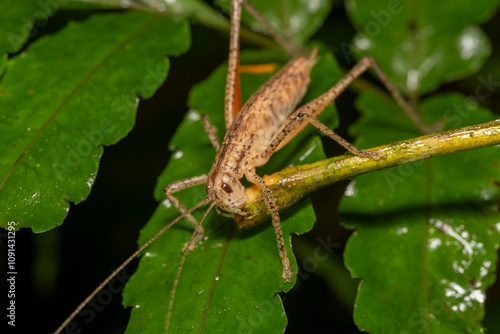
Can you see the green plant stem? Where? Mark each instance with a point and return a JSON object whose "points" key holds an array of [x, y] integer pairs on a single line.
{"points": [[293, 183]]}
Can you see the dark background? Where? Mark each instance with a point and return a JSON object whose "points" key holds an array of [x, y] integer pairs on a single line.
{"points": [[58, 269]]}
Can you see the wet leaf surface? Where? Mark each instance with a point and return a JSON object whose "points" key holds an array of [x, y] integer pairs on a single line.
{"points": [[73, 99]]}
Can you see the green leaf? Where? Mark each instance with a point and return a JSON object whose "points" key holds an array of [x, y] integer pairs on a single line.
{"points": [[3, 63], [423, 44], [427, 233], [62, 101], [16, 21], [229, 282]]}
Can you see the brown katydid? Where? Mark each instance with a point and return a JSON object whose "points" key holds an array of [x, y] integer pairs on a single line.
{"points": [[266, 123], [263, 125]]}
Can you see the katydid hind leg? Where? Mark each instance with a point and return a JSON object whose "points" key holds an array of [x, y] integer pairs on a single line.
{"points": [[232, 102], [281, 40], [308, 112]]}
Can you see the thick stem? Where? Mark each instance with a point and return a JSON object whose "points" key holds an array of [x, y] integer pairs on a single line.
{"points": [[292, 184]]}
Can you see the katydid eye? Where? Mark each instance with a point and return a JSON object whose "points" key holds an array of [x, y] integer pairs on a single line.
{"points": [[226, 187], [207, 189]]}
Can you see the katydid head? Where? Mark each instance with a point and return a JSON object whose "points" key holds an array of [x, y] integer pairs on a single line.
{"points": [[227, 191]]}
